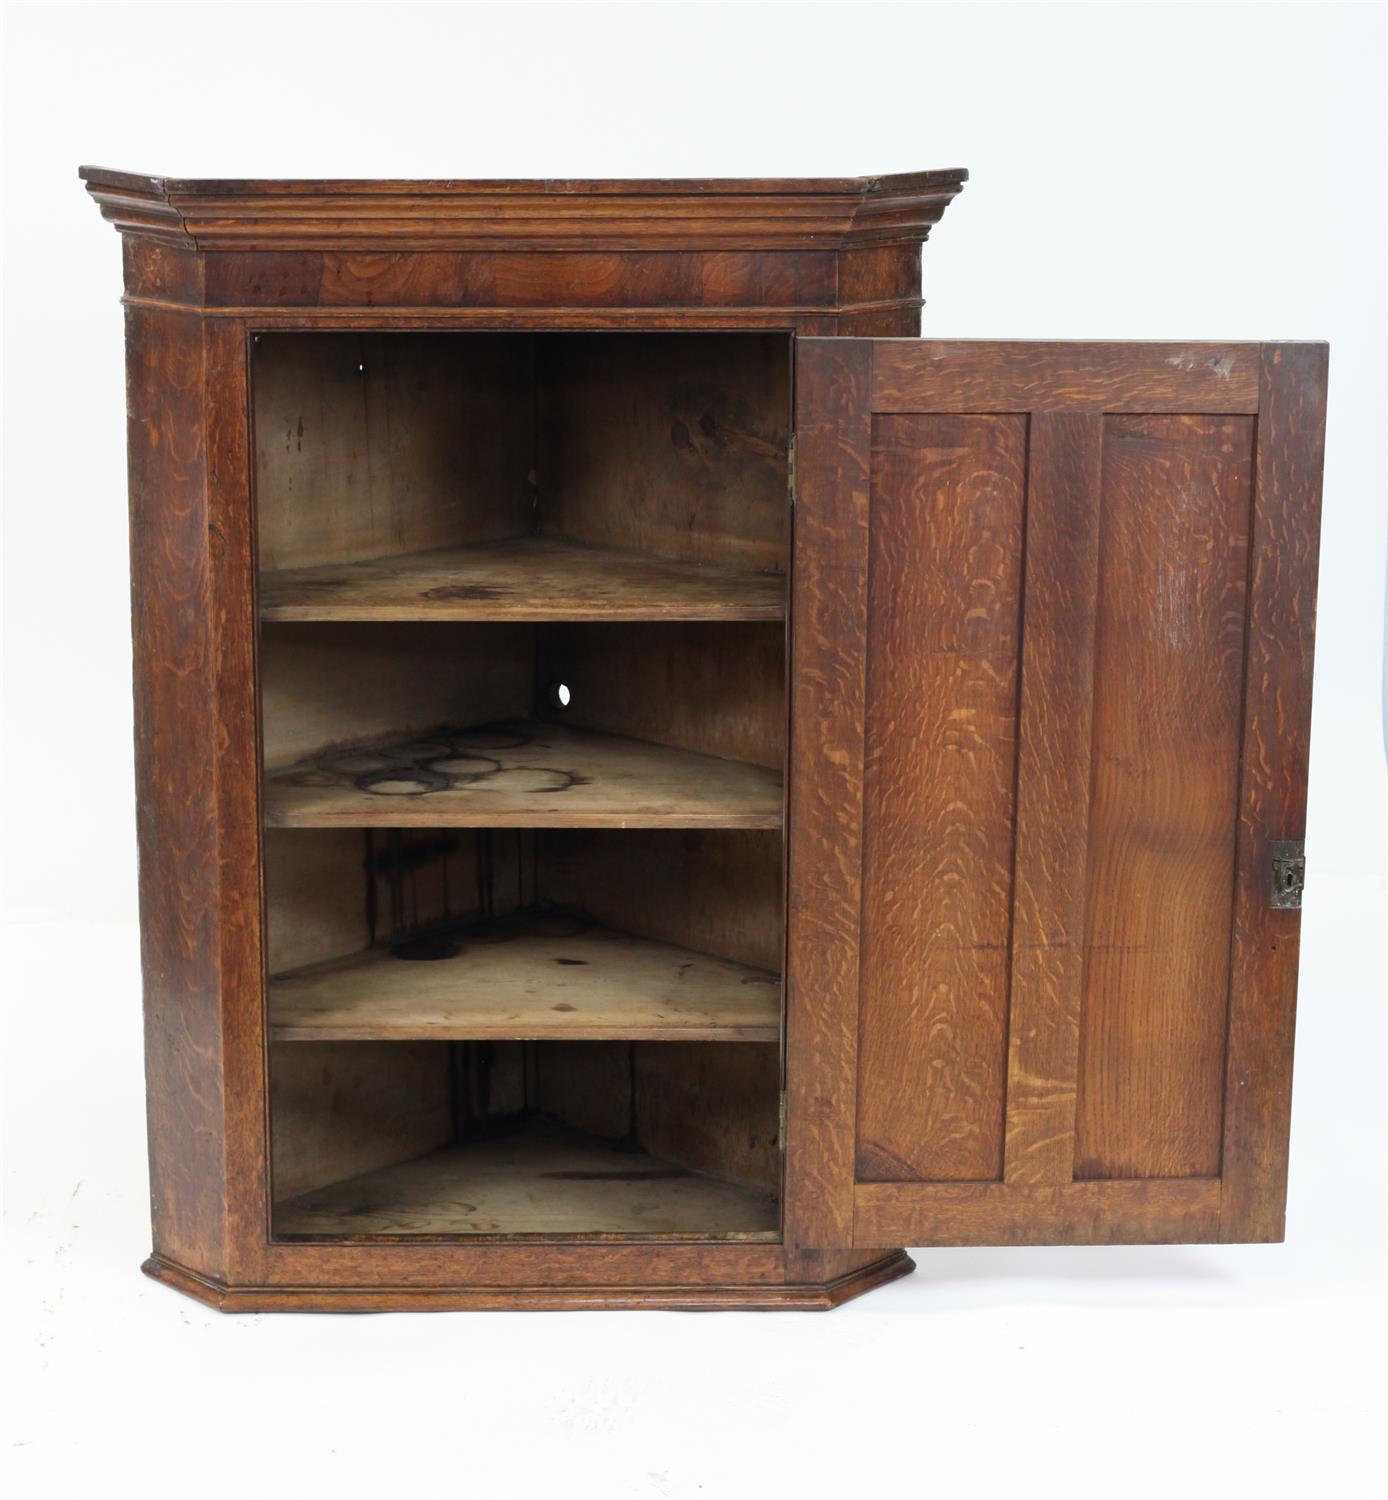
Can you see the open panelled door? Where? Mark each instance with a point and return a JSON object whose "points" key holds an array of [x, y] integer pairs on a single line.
{"points": [[1052, 626]]}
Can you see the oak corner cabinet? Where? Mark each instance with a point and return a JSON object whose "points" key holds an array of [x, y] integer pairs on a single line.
{"points": [[657, 786]]}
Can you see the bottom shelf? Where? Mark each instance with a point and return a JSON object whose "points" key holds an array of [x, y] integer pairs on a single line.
{"points": [[546, 1181]]}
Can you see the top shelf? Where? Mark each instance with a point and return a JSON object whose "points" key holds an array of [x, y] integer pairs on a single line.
{"points": [[528, 578]]}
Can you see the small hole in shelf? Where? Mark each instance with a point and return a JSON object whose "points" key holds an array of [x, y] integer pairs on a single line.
{"points": [[559, 695]]}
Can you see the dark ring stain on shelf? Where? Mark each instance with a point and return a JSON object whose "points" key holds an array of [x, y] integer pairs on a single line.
{"points": [[445, 765], [432, 765], [571, 780], [403, 781]]}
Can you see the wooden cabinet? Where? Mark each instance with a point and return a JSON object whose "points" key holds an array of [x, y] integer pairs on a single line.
{"points": [[658, 787]]}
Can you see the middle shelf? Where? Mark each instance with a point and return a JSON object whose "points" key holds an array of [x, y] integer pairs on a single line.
{"points": [[527, 578], [538, 976], [522, 773]]}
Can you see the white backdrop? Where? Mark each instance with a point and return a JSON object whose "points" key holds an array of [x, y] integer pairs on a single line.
{"points": [[1201, 171]]}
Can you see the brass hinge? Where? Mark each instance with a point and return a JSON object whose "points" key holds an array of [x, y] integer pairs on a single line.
{"points": [[1288, 872], [781, 1123], [792, 471]]}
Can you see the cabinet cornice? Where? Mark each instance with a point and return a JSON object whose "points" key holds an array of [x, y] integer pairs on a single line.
{"points": [[673, 215]]}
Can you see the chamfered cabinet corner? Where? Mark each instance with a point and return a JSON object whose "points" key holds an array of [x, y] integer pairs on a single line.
{"points": [[658, 786]]}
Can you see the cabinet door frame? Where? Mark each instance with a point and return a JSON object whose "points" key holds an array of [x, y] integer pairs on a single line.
{"points": [[1065, 389]]}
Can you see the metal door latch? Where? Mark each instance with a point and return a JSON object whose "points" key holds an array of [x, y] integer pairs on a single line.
{"points": [[1288, 871]]}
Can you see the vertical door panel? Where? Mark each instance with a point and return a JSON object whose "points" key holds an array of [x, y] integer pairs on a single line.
{"points": [[1073, 724], [944, 595], [1175, 503]]}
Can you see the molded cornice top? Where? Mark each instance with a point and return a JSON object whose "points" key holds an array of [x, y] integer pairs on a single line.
{"points": [[659, 214]]}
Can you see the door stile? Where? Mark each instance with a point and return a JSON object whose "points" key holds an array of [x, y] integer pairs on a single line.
{"points": [[1055, 726], [1272, 794]]}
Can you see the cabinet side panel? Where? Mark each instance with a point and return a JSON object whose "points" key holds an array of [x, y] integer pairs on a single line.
{"points": [[1173, 565], [175, 734], [880, 274], [828, 638], [943, 620], [880, 292]]}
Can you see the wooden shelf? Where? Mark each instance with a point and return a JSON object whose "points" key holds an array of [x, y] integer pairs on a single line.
{"points": [[537, 977], [522, 774], [543, 1181], [531, 578]]}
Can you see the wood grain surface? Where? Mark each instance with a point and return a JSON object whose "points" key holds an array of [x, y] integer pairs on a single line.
{"points": [[828, 660], [236, 768], [561, 283], [1272, 786], [1054, 750], [1169, 640], [175, 743], [196, 753], [643, 1275], [1132, 1212], [944, 598], [999, 376]]}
